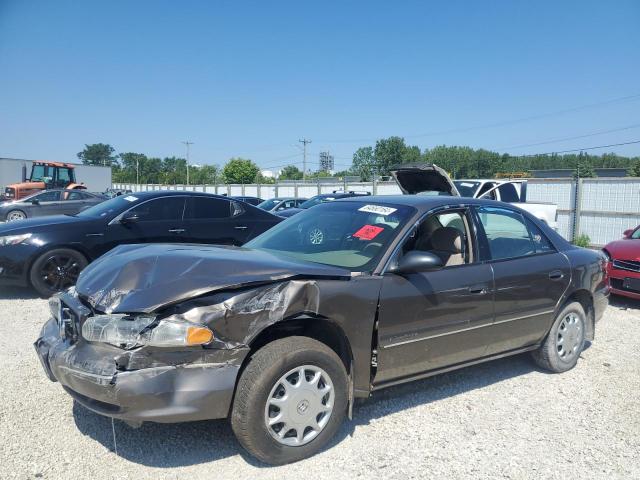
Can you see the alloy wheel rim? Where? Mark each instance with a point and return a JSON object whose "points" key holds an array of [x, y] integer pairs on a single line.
{"points": [[60, 272], [569, 337], [299, 405], [13, 216], [316, 237]]}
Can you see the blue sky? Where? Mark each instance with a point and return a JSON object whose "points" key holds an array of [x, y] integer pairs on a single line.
{"points": [[250, 78]]}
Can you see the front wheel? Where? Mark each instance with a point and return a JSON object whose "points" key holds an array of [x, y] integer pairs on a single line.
{"points": [[15, 215], [562, 347], [290, 400], [56, 270]]}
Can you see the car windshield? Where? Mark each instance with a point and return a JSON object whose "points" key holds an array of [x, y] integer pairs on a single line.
{"points": [[269, 204], [352, 235], [109, 208], [467, 189], [636, 234], [317, 200]]}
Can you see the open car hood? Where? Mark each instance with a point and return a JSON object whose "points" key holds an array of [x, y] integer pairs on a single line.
{"points": [[423, 178], [143, 278]]}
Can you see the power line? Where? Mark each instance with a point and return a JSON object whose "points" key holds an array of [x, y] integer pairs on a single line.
{"points": [[504, 122], [593, 134], [580, 149]]}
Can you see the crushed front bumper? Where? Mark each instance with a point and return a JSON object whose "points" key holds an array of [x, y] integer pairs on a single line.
{"points": [[90, 373]]}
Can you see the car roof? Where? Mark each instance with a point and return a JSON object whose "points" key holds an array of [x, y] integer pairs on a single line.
{"points": [[171, 193], [425, 202]]}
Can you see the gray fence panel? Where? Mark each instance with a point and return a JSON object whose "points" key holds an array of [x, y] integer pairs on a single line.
{"points": [[607, 206]]}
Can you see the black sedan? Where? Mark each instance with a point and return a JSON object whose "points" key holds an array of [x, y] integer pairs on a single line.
{"points": [[49, 202], [317, 200], [286, 332], [255, 201], [49, 253]]}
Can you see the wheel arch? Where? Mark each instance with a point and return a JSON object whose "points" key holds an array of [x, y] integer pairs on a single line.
{"points": [[321, 329], [49, 248], [17, 209], [585, 299]]}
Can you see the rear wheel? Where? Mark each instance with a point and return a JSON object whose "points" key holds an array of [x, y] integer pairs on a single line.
{"points": [[562, 347], [14, 215], [290, 400], [56, 270]]}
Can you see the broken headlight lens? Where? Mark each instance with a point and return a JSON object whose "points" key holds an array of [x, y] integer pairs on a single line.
{"points": [[14, 239], [126, 331]]}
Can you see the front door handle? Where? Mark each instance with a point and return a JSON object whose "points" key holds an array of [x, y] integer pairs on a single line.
{"points": [[241, 227], [478, 289], [556, 275], [176, 230]]}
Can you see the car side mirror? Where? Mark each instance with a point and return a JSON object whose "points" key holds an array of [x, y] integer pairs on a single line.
{"points": [[418, 261], [35, 201], [627, 233], [129, 218]]}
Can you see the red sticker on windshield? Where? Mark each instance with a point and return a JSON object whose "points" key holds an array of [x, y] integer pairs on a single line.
{"points": [[368, 232]]}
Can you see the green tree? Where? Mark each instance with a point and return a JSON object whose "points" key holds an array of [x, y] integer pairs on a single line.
{"points": [[584, 168], [173, 171], [131, 162], [204, 175], [98, 154], [388, 152], [240, 170], [290, 172], [364, 163]]}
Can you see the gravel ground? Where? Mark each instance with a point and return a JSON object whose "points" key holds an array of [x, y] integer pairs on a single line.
{"points": [[503, 419]]}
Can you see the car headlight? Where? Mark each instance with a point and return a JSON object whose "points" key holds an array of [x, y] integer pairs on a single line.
{"points": [[14, 239], [127, 331]]}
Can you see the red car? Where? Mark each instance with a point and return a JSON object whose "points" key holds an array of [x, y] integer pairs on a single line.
{"points": [[624, 264]]}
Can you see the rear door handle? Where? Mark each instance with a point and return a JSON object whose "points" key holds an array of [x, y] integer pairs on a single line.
{"points": [[556, 275], [478, 289], [241, 227], [176, 230]]}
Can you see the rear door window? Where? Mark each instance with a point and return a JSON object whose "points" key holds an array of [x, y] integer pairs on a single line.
{"points": [[540, 240], [506, 233], [203, 208]]}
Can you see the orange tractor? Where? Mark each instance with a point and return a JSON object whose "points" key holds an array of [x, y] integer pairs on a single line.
{"points": [[44, 176]]}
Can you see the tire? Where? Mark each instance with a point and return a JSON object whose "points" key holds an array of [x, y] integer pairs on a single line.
{"points": [[567, 329], [45, 277], [262, 381], [14, 215]]}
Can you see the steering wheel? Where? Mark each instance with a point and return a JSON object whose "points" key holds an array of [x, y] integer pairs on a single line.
{"points": [[372, 246]]}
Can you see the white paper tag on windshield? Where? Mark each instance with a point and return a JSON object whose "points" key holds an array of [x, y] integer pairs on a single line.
{"points": [[466, 184], [131, 198], [377, 209]]}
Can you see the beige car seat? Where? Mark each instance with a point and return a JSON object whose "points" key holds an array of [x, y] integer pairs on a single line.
{"points": [[448, 244]]}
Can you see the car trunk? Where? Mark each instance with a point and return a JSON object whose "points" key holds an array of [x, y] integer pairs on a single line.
{"points": [[423, 179]]}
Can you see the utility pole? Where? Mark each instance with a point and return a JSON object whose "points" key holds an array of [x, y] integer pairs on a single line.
{"points": [[304, 143], [188, 144]]}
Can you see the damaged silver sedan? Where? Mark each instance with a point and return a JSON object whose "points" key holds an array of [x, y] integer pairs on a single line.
{"points": [[344, 299]]}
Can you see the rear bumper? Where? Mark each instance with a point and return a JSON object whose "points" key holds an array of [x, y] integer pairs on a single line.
{"points": [[166, 393]]}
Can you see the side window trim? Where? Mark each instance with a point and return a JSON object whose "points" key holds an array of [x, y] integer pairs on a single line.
{"points": [[469, 213], [482, 237], [117, 218]]}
